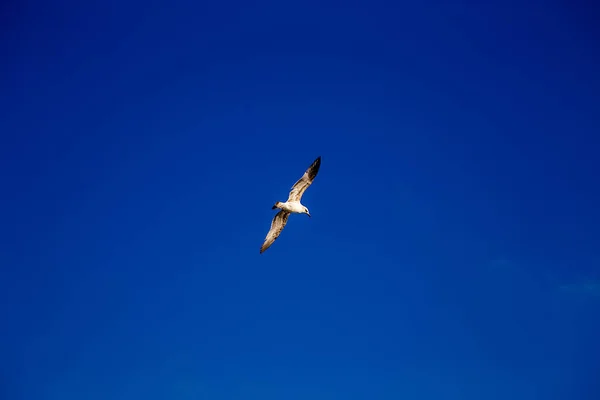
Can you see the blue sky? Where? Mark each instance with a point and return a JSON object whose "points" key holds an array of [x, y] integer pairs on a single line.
{"points": [[453, 247]]}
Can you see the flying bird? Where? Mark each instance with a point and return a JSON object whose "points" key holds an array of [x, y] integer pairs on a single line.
{"points": [[292, 205]]}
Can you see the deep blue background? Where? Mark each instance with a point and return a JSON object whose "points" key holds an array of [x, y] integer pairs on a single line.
{"points": [[454, 247]]}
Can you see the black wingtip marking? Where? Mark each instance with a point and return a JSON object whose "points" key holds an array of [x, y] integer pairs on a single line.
{"points": [[314, 168]]}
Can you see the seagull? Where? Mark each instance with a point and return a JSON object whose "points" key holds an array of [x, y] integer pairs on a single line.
{"points": [[292, 205]]}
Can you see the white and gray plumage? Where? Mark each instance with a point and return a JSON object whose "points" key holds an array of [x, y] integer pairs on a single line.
{"points": [[292, 205]]}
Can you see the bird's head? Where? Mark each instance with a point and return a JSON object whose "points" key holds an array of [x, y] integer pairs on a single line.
{"points": [[306, 211]]}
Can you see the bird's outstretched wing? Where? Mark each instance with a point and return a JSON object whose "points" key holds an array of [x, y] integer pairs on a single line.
{"points": [[303, 183], [277, 226]]}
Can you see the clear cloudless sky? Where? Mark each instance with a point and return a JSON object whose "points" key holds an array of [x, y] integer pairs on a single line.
{"points": [[454, 246]]}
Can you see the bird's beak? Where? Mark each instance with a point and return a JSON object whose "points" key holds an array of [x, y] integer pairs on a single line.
{"points": [[308, 214]]}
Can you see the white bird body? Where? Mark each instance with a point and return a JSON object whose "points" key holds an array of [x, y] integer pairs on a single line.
{"points": [[293, 204]]}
